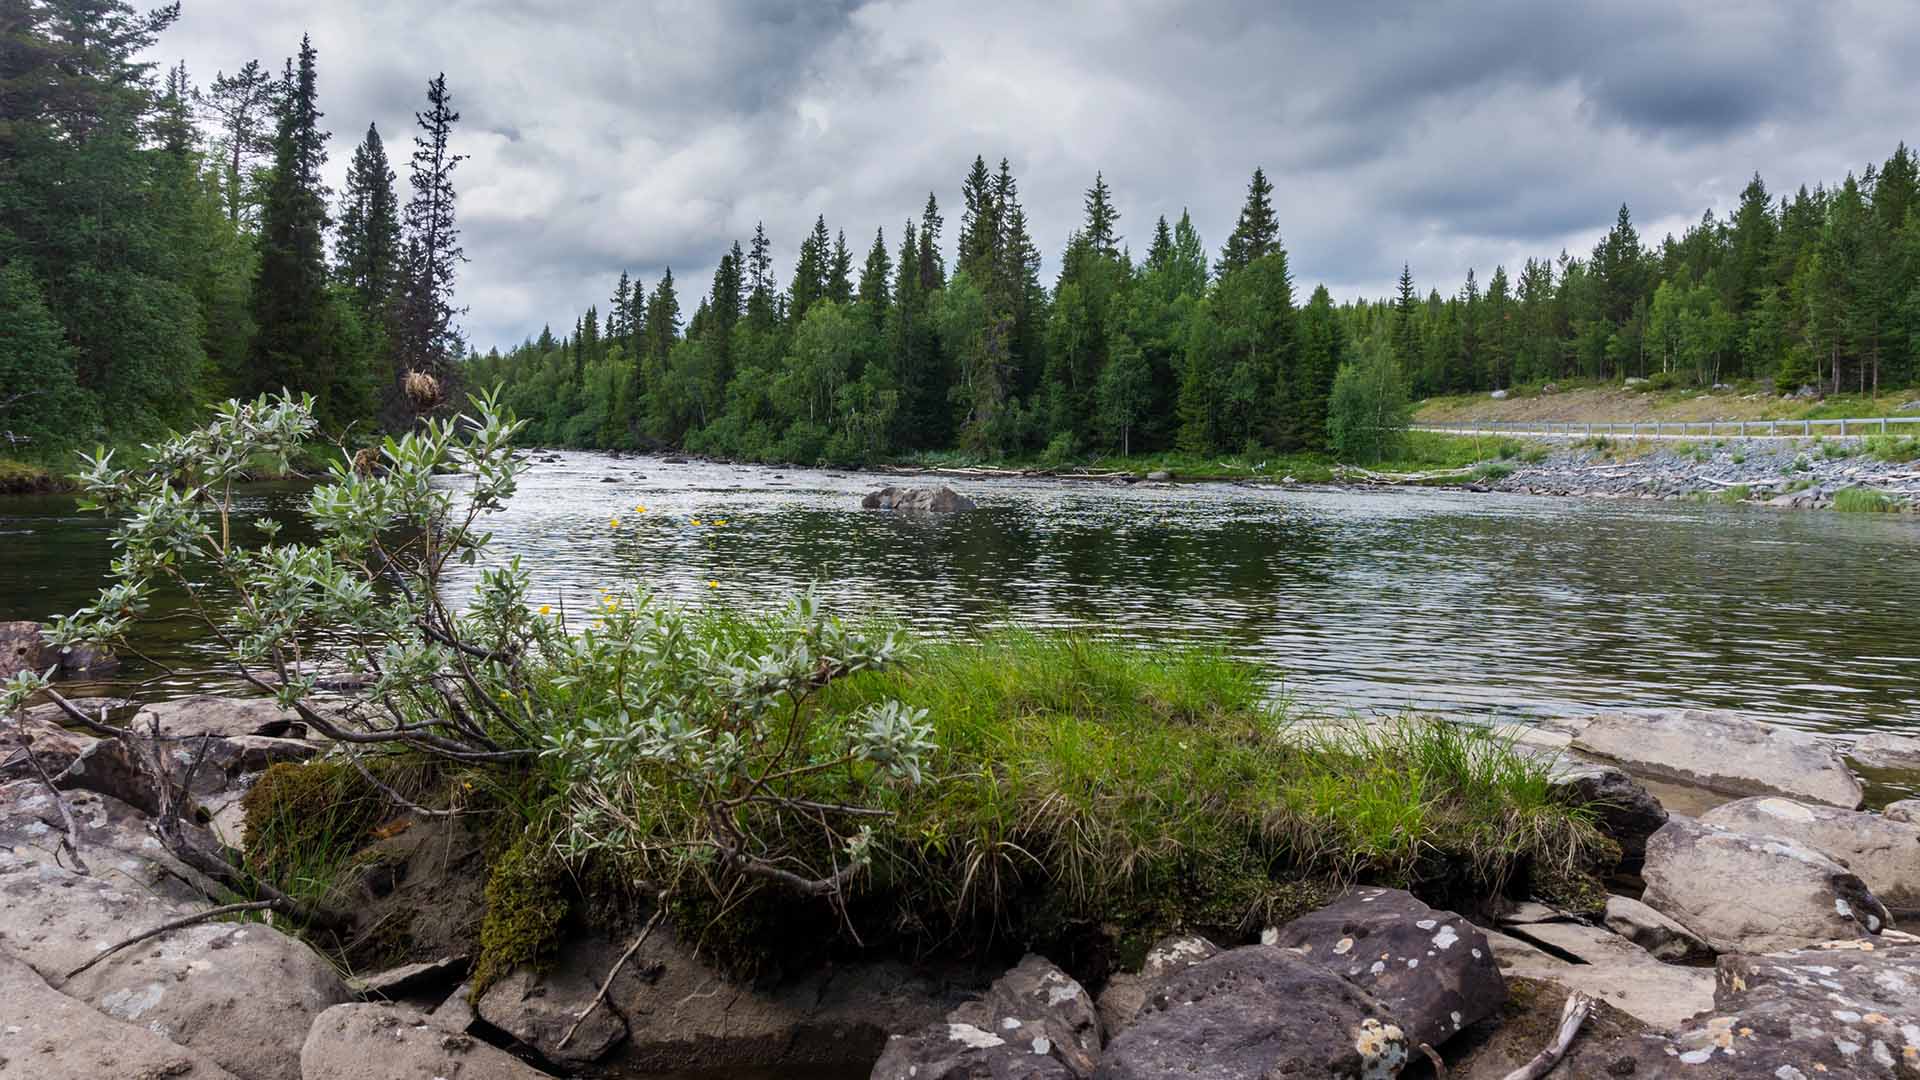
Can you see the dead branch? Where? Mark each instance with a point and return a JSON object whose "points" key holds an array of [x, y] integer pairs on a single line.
{"points": [[1572, 1015], [71, 839], [660, 909], [1439, 1064], [177, 924]]}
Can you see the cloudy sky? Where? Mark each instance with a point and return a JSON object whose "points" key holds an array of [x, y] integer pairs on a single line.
{"points": [[1448, 135]]}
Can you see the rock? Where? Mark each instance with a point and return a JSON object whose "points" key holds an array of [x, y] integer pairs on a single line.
{"points": [[1126, 993], [1881, 750], [1159, 474], [243, 994], [609, 479], [87, 661], [456, 1011], [46, 1035], [1034, 1021], [682, 1010], [677, 461], [22, 649], [208, 714], [1907, 810], [1624, 810], [1606, 966], [1498, 395], [410, 979], [1849, 1011], [1611, 1044], [1432, 969], [389, 1042], [1636, 381], [55, 746], [128, 865], [1882, 852], [1723, 752], [1742, 892], [1662, 937], [1254, 1012], [940, 500]]}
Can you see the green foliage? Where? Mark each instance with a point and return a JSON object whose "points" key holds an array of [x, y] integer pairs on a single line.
{"points": [[1368, 413], [1894, 448], [1856, 500], [41, 403], [526, 910], [305, 821]]}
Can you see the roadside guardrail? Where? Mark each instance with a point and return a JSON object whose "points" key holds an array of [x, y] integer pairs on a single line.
{"points": [[1852, 428]]}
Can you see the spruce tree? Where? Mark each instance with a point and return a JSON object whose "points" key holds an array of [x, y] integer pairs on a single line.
{"points": [[367, 255], [839, 284], [1406, 323], [1101, 219], [426, 338], [875, 293], [760, 298], [933, 263], [1256, 233]]}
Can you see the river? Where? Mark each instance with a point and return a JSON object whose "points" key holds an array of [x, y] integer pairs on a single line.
{"points": [[1465, 604]]}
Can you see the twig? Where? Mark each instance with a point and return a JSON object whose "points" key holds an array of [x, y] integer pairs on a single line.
{"points": [[607, 983], [1572, 1015], [189, 920], [1439, 1065], [71, 841]]}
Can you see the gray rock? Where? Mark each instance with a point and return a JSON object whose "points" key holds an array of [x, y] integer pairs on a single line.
{"points": [[409, 979], [1126, 993], [1607, 967], [208, 714], [87, 661], [1907, 810], [1883, 852], [1660, 936], [1742, 892], [1034, 1021], [390, 1042], [456, 1011], [1612, 1044], [46, 1035], [1804, 1014], [22, 649], [243, 994], [1432, 969], [1882, 750], [940, 500], [1160, 474], [55, 746], [1256, 1012], [1623, 809], [679, 1009], [1498, 395], [1723, 752]]}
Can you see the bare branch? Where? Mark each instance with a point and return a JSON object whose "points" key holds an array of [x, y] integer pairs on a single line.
{"points": [[177, 924]]}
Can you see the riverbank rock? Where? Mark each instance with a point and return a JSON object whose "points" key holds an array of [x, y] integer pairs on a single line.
{"points": [[46, 1035], [940, 500], [1611, 1045], [1605, 966], [55, 746], [1623, 809], [1433, 970], [1661, 936], [389, 1042], [1034, 1021], [679, 1009], [1882, 750], [1254, 1012], [210, 714], [22, 649], [1126, 993], [1882, 852], [1844, 1011], [1745, 892], [243, 994], [1907, 810], [1723, 752]]}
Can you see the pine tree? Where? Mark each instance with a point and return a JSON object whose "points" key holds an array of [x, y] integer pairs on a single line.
{"points": [[1101, 219], [760, 298], [244, 105], [933, 264], [367, 255], [620, 309], [980, 226], [839, 283], [875, 293], [427, 339], [1406, 323], [1256, 233], [809, 272]]}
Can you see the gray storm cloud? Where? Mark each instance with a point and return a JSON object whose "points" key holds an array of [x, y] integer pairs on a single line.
{"points": [[1448, 135]]}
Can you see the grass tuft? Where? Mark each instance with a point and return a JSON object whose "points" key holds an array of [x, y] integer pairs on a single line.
{"points": [[1855, 500]]}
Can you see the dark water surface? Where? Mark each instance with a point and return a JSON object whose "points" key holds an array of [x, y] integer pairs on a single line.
{"points": [[1455, 602]]}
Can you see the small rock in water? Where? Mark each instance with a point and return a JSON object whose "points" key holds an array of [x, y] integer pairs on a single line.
{"points": [[1159, 474], [940, 500], [609, 479]]}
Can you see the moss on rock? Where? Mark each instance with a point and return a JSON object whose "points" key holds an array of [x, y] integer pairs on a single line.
{"points": [[527, 907]]}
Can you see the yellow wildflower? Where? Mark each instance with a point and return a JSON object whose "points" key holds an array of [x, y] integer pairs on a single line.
{"points": [[696, 521], [614, 524], [713, 584], [545, 609]]}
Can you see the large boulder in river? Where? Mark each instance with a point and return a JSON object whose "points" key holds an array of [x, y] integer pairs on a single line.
{"points": [[1433, 969], [1882, 852], [1723, 752], [1035, 1022], [1255, 1012], [1747, 892], [47, 1035], [1883, 750], [391, 1042], [940, 500], [669, 1007]]}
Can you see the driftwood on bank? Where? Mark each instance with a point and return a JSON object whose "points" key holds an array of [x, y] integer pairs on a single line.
{"points": [[1572, 1015]]}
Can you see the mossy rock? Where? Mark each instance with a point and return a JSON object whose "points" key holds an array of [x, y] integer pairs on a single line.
{"points": [[305, 821], [527, 909]]}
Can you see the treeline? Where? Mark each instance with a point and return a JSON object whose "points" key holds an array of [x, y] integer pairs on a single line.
{"points": [[897, 352], [163, 244]]}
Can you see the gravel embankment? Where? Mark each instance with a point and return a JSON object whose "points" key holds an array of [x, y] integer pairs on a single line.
{"points": [[1796, 473]]}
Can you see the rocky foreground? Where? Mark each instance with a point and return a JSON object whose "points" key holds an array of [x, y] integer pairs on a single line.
{"points": [[1752, 933]]}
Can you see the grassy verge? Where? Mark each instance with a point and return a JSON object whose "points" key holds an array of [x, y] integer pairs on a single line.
{"points": [[1862, 501], [1599, 401], [24, 478], [54, 475]]}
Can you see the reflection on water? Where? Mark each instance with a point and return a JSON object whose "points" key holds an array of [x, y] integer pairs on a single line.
{"points": [[1454, 602]]}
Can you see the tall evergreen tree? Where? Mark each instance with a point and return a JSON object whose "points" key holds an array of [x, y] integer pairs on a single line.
{"points": [[367, 254], [839, 283], [932, 262], [875, 293], [426, 339], [244, 104], [1256, 233]]}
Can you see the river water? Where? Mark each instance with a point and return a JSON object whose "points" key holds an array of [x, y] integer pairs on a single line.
{"points": [[1464, 604]]}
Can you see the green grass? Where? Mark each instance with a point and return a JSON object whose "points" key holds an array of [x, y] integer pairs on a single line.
{"points": [[24, 478], [1420, 451], [1862, 501], [1896, 449], [1738, 493]]}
